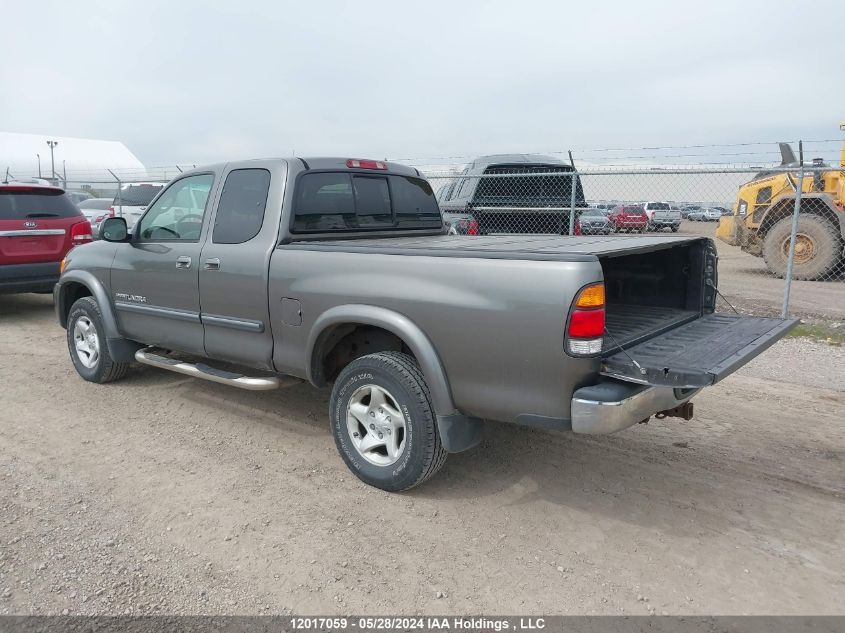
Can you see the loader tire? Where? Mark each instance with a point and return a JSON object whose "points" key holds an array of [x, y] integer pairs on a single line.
{"points": [[818, 248]]}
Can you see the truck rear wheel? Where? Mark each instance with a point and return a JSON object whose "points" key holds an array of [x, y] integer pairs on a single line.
{"points": [[817, 247], [86, 342], [383, 422]]}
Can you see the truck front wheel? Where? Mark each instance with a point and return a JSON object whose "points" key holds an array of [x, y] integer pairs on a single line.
{"points": [[86, 342], [383, 422], [817, 247]]}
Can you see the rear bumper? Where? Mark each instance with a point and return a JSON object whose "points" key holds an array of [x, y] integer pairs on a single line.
{"points": [[39, 277], [666, 222], [613, 405]]}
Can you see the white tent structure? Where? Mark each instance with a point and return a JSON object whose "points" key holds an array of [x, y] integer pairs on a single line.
{"points": [[78, 161]]}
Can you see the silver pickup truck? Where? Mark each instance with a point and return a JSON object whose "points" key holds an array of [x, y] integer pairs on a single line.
{"points": [[262, 274]]}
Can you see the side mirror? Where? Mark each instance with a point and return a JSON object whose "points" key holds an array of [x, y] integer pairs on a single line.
{"points": [[114, 230]]}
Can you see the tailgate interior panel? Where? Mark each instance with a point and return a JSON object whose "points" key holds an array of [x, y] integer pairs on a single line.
{"points": [[696, 354]]}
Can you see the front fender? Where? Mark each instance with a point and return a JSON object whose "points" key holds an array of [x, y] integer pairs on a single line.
{"points": [[401, 326], [95, 287]]}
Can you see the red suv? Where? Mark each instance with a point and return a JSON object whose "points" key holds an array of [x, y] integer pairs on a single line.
{"points": [[629, 217], [38, 226]]}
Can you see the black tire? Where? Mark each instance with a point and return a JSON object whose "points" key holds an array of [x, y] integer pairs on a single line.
{"points": [[674, 229], [105, 369], [814, 232], [423, 453]]}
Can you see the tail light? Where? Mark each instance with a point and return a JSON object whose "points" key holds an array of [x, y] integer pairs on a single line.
{"points": [[585, 330], [577, 227], [362, 163], [80, 233], [110, 213], [472, 227]]}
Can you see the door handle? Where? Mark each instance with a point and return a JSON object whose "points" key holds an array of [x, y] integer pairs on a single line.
{"points": [[183, 262], [212, 264]]}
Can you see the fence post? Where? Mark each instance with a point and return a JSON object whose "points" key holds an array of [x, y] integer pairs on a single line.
{"points": [[119, 199], [572, 203], [791, 257]]}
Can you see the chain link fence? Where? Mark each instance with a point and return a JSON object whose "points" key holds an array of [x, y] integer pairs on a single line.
{"points": [[779, 231], [780, 244]]}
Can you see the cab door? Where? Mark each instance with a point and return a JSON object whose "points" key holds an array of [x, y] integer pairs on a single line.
{"points": [[234, 264], [154, 277]]}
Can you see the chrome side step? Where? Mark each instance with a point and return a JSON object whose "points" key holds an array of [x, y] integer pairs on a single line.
{"points": [[147, 356]]}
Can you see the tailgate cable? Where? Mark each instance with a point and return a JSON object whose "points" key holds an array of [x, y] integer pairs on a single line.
{"points": [[710, 283], [624, 351]]}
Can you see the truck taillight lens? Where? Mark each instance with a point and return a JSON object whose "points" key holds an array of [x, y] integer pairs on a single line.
{"points": [[363, 163], [585, 331], [111, 212], [80, 233], [472, 227]]}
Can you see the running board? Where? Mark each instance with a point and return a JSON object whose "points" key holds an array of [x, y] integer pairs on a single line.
{"points": [[199, 370]]}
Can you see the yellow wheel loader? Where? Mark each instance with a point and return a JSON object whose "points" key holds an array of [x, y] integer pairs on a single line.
{"points": [[761, 223]]}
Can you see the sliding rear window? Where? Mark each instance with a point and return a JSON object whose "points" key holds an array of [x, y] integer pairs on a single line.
{"points": [[16, 204], [344, 201]]}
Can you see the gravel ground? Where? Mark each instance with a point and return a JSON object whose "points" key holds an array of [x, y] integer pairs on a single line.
{"points": [[163, 494]]}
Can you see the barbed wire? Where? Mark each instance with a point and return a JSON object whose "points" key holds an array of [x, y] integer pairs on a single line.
{"points": [[581, 150]]}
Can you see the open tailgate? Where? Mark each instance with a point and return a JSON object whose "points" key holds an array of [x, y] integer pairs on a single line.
{"points": [[697, 354]]}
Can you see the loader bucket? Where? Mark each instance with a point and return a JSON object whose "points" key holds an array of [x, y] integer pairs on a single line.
{"points": [[727, 230]]}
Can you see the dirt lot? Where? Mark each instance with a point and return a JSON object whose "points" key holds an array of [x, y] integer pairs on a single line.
{"points": [[163, 494]]}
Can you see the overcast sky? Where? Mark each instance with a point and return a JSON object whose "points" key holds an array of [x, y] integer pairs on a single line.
{"points": [[186, 81]]}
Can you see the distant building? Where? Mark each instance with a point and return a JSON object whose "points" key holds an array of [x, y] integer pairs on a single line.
{"points": [[80, 163]]}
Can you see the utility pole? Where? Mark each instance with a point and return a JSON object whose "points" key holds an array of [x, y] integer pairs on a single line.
{"points": [[52, 144], [39, 164]]}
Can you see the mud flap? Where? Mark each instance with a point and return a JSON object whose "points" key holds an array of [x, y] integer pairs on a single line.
{"points": [[697, 354]]}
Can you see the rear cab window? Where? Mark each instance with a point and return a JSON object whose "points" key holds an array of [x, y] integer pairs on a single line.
{"points": [[33, 202], [658, 206], [353, 201]]}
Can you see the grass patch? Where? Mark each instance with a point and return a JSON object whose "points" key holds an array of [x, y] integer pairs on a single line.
{"points": [[821, 331]]}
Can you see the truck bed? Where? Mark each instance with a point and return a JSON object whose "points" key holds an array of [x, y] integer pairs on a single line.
{"points": [[653, 283], [629, 324], [528, 247]]}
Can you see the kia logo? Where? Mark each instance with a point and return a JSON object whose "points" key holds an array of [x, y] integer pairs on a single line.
{"points": [[30, 224]]}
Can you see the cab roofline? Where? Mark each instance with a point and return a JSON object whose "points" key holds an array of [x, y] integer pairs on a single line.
{"points": [[315, 163]]}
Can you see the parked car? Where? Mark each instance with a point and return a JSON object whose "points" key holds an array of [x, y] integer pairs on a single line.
{"points": [[337, 271], [685, 211], [132, 199], [594, 222], [661, 216], [38, 226], [95, 210], [628, 218], [708, 214], [510, 193], [78, 196]]}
